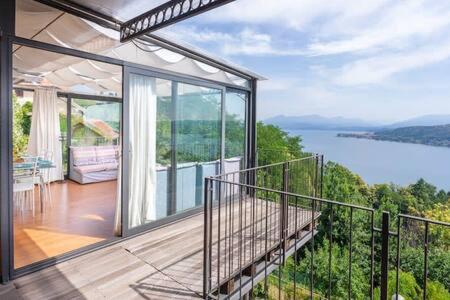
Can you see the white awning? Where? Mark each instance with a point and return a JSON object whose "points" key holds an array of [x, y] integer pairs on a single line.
{"points": [[46, 24]]}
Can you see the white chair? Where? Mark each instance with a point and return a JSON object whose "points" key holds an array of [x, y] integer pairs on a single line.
{"points": [[45, 178], [23, 189]]}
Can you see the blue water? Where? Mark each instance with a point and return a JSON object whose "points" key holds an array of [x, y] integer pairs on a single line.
{"points": [[381, 161]]}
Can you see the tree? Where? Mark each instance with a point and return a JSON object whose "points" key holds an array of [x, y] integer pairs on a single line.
{"points": [[20, 140], [408, 287], [275, 145]]}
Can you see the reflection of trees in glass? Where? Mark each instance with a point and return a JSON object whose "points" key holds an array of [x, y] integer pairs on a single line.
{"points": [[21, 125], [234, 136], [163, 131], [198, 127], [95, 123], [235, 127]]}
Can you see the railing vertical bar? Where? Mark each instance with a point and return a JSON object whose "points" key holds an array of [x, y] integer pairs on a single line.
{"points": [[330, 249], [240, 242], [280, 241], [253, 235], [266, 288], [321, 176], [211, 193], [205, 241], [350, 252], [425, 261], [295, 247], [384, 256], [230, 225], [312, 247], [372, 252], [219, 204], [397, 273]]}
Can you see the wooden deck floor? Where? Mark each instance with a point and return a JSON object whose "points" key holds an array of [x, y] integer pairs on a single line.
{"points": [[166, 263]]}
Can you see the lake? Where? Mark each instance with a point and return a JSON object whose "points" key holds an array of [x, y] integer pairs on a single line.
{"points": [[382, 161]]}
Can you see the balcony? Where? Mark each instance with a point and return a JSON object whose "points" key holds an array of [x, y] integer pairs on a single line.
{"points": [[254, 223]]}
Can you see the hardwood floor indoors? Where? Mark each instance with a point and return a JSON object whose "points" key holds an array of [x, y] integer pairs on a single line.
{"points": [[80, 215]]}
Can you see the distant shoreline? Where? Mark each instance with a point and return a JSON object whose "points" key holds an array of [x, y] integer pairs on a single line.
{"points": [[399, 139]]}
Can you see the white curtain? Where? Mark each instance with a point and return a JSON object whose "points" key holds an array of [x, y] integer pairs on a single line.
{"points": [[142, 152], [45, 130]]}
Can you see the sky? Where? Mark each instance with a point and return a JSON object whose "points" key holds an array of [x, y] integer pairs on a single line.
{"points": [[377, 60]]}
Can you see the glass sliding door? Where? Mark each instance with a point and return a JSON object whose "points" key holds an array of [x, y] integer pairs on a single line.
{"points": [[198, 141], [174, 140], [64, 197]]}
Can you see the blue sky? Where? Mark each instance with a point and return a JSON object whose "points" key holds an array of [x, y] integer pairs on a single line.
{"points": [[377, 60]]}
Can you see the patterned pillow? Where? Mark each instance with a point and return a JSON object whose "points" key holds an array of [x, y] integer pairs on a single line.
{"points": [[106, 154], [84, 156]]}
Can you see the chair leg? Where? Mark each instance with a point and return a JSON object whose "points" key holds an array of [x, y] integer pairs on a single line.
{"points": [[32, 201], [50, 197]]}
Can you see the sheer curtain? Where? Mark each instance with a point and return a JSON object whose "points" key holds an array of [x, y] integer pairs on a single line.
{"points": [[45, 130], [142, 152]]}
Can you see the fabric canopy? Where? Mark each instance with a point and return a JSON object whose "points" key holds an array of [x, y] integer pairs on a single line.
{"points": [[46, 24]]}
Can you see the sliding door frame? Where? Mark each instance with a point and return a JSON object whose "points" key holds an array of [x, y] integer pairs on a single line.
{"points": [[172, 215]]}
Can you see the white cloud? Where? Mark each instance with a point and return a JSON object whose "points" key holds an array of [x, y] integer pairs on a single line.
{"points": [[245, 42], [292, 14], [395, 28], [379, 68]]}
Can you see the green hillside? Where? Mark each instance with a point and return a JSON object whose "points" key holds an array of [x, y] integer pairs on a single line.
{"points": [[427, 135]]}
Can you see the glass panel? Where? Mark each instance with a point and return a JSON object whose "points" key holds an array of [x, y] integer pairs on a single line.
{"points": [[198, 141], [62, 111], [235, 125], [53, 213], [95, 123], [150, 140]]}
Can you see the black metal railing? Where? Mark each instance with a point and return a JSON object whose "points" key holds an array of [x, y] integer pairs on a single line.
{"points": [[260, 220], [250, 226]]}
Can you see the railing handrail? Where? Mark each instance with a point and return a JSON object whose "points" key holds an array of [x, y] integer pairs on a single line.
{"points": [[265, 166], [436, 222], [294, 194]]}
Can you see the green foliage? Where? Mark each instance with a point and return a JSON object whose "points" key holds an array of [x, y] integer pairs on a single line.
{"points": [[339, 272], [275, 145], [26, 110], [440, 234], [340, 184], [20, 139], [437, 291], [408, 287], [438, 265]]}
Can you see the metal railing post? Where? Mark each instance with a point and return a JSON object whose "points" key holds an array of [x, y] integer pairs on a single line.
{"points": [[384, 256], [206, 238], [284, 209]]}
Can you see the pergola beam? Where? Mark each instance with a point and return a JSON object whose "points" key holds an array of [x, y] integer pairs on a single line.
{"points": [[166, 14]]}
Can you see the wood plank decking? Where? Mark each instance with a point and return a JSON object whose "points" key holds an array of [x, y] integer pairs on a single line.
{"points": [[166, 263]]}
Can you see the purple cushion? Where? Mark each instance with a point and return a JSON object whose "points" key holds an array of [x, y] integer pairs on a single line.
{"points": [[106, 154], [84, 156]]}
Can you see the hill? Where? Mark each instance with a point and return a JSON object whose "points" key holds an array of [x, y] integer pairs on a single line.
{"points": [[426, 120], [320, 122], [426, 135]]}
